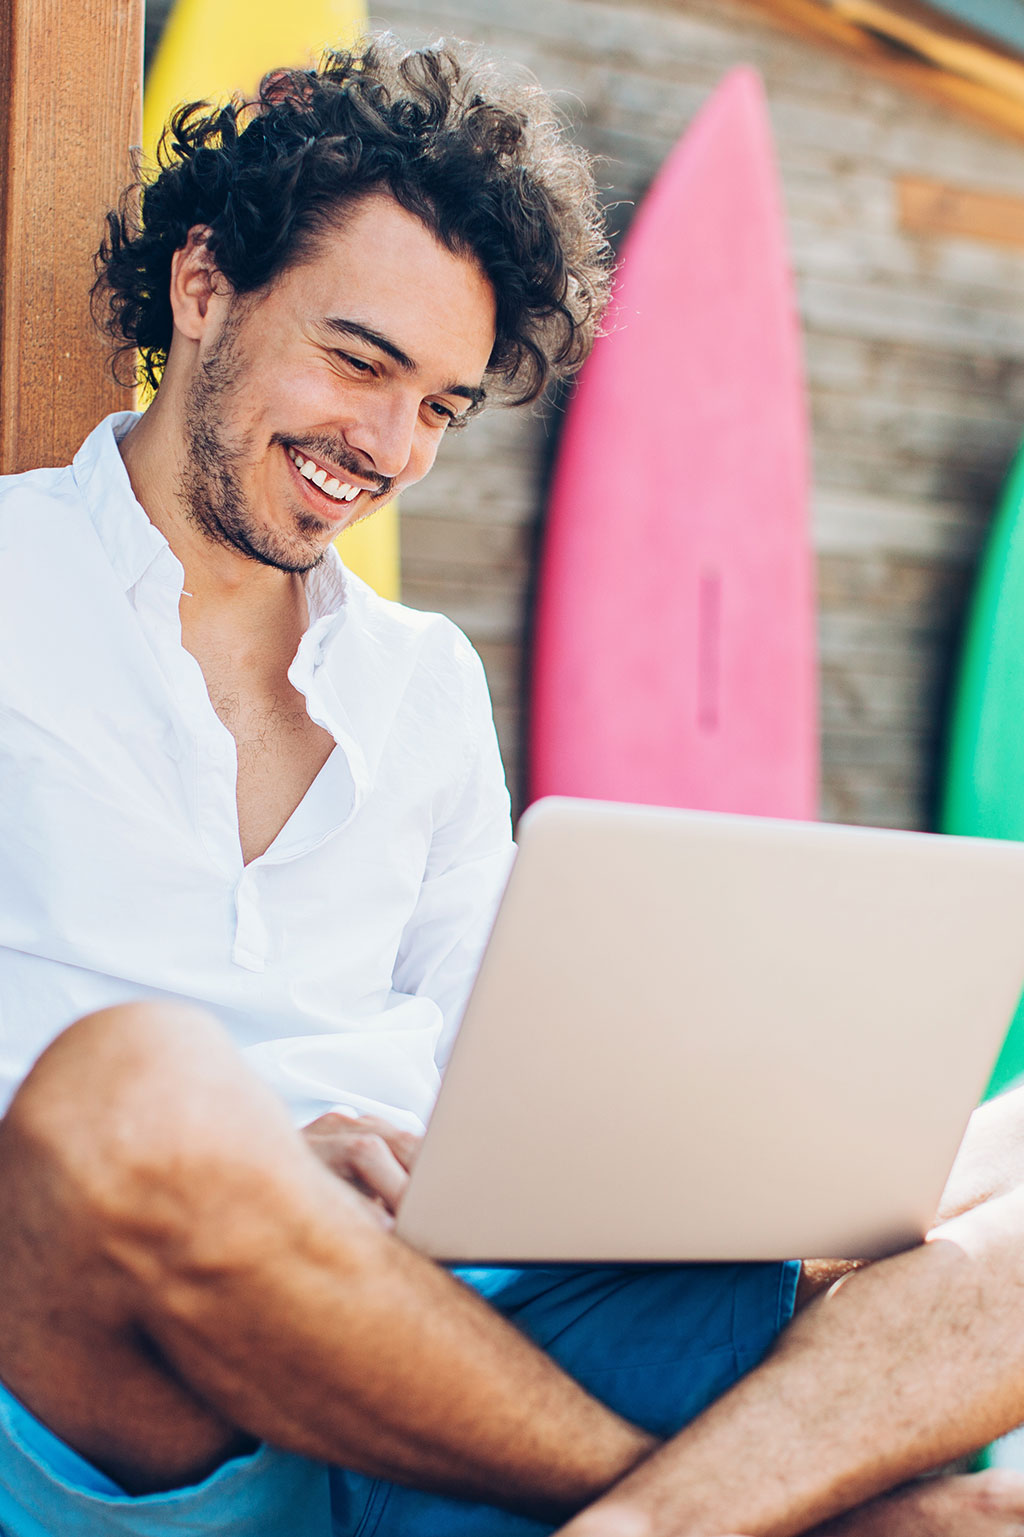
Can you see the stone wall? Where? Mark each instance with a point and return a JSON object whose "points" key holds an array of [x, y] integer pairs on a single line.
{"points": [[914, 352]]}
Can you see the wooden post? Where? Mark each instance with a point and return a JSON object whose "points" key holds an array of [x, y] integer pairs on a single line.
{"points": [[70, 108]]}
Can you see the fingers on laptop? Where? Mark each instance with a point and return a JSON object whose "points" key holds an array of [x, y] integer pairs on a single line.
{"points": [[367, 1152]]}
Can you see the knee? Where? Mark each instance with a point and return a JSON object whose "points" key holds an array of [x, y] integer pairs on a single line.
{"points": [[608, 1519], [139, 1112], [115, 1080]]}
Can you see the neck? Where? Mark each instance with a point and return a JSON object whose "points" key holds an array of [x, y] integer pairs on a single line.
{"points": [[220, 581]]}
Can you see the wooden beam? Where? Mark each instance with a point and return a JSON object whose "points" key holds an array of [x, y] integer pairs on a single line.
{"points": [[934, 17], [70, 107], [896, 60], [939, 42]]}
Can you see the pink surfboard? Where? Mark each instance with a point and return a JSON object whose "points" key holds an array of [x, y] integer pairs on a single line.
{"points": [[674, 652]]}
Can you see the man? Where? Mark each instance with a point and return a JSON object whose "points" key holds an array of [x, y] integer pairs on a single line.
{"points": [[249, 808]]}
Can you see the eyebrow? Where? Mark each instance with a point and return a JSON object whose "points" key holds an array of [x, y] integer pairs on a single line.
{"points": [[342, 327]]}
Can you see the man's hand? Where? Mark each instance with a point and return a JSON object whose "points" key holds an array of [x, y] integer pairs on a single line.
{"points": [[369, 1153]]}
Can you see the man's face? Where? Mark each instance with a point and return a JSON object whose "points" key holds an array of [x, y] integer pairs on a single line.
{"points": [[317, 400]]}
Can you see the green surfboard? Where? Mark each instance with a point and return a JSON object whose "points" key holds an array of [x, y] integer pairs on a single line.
{"points": [[984, 782]]}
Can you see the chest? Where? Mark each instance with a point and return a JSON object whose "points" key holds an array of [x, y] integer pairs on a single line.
{"points": [[280, 749]]}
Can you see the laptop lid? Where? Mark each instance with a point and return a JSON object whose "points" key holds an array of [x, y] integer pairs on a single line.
{"points": [[707, 1037]]}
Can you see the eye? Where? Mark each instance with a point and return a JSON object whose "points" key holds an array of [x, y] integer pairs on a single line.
{"points": [[441, 413], [358, 365]]}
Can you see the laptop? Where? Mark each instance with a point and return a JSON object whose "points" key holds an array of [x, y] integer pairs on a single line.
{"points": [[707, 1037]]}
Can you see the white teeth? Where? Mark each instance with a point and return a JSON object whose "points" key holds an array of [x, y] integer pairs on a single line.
{"points": [[342, 492], [333, 487]]}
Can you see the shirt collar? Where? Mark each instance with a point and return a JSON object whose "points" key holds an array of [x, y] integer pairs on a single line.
{"points": [[327, 587], [130, 540]]}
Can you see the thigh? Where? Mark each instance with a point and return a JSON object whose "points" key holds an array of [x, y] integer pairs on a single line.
{"points": [[656, 1344]]}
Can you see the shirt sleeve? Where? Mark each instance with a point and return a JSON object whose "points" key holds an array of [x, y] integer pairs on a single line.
{"points": [[468, 865]]}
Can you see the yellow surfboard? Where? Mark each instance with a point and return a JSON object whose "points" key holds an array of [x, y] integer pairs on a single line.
{"points": [[212, 48]]}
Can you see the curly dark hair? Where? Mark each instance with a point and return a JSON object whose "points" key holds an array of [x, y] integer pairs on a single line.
{"points": [[479, 157]]}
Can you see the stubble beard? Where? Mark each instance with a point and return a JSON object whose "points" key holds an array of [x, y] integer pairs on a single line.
{"points": [[211, 485]]}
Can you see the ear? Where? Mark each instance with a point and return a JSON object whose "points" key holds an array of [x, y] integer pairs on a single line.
{"points": [[196, 284]]}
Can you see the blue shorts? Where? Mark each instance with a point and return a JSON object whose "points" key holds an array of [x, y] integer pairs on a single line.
{"points": [[655, 1344]]}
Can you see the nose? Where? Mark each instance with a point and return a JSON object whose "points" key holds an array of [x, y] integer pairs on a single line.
{"points": [[384, 431]]}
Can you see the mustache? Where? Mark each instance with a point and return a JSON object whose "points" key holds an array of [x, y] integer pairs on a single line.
{"points": [[319, 446]]}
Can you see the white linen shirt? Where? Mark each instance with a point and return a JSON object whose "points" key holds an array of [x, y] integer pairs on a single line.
{"points": [[340, 959]]}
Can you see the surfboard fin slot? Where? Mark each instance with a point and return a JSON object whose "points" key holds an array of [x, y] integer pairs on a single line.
{"points": [[709, 649]]}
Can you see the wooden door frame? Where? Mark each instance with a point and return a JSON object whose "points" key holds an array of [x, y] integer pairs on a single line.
{"points": [[70, 110]]}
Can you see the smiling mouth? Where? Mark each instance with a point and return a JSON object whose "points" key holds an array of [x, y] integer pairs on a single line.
{"points": [[337, 490]]}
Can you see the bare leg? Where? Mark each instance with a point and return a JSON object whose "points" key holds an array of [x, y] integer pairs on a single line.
{"points": [[899, 1368], [989, 1504], [165, 1226]]}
